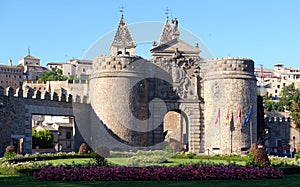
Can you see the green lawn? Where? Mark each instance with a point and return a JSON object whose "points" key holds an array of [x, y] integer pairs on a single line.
{"points": [[173, 162], [288, 180], [68, 161]]}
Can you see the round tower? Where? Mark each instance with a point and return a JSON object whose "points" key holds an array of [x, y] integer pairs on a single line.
{"points": [[115, 103], [230, 105]]}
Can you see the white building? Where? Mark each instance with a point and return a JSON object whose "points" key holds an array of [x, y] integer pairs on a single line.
{"points": [[271, 81]]}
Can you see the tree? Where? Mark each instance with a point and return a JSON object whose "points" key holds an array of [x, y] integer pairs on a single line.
{"points": [[290, 99], [269, 104], [295, 113], [42, 138], [55, 74]]}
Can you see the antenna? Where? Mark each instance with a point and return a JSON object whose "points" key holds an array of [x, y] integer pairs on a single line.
{"points": [[167, 10], [122, 10], [28, 50]]}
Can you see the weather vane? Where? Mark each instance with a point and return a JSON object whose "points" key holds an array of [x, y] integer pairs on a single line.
{"points": [[122, 10], [167, 10]]}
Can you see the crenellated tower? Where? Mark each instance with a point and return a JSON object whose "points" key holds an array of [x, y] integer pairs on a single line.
{"points": [[229, 94]]}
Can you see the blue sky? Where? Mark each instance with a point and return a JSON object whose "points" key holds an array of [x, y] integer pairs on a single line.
{"points": [[57, 30]]}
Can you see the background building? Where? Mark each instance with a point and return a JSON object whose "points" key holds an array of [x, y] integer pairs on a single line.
{"points": [[11, 76], [271, 81]]}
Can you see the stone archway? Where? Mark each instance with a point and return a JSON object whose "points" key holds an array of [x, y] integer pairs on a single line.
{"points": [[175, 130]]}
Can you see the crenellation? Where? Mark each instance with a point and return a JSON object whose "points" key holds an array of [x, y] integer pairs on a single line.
{"points": [[70, 98], [54, 96], [47, 96], [37, 94], [277, 119], [19, 92], [29, 93]]}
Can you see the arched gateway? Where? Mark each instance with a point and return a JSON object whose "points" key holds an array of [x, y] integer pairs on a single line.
{"points": [[129, 97]]}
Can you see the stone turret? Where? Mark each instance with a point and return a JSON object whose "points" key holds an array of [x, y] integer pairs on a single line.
{"points": [[230, 86], [122, 44]]}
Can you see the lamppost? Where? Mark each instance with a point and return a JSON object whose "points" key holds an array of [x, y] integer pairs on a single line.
{"points": [[58, 143], [294, 139]]}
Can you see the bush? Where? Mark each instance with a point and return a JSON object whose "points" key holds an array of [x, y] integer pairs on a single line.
{"points": [[259, 157], [83, 149], [26, 168], [9, 152], [47, 156], [99, 160], [142, 158]]}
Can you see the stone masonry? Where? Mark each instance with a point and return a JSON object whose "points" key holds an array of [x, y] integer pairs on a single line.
{"points": [[127, 98]]}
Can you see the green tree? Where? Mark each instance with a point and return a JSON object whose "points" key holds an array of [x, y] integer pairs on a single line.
{"points": [[290, 99], [42, 138], [270, 105], [295, 113], [55, 74]]}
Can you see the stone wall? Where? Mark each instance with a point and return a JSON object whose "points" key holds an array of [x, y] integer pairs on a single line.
{"points": [[16, 114], [281, 128]]}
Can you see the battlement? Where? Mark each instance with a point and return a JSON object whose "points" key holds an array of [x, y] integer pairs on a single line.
{"points": [[44, 83], [230, 64], [277, 119], [116, 63], [38, 95]]}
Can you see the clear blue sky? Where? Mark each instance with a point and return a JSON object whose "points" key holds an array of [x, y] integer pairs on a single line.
{"points": [[57, 30]]}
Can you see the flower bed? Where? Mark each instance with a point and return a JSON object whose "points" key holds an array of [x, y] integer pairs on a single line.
{"points": [[190, 172]]}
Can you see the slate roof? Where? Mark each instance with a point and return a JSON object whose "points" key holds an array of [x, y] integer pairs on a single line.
{"points": [[123, 38]]}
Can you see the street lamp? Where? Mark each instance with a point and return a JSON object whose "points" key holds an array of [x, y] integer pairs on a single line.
{"points": [[294, 139], [58, 143]]}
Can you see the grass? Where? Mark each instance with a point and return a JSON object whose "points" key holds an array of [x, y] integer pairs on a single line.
{"points": [[173, 162], [68, 161], [19, 181], [288, 180]]}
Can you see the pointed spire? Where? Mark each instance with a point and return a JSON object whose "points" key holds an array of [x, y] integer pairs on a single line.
{"points": [[167, 33], [122, 42]]}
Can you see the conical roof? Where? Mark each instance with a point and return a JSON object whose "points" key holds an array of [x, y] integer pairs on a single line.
{"points": [[123, 38]]}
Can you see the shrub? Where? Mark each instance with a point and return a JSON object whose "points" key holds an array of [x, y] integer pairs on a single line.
{"points": [[46, 156], [83, 149], [26, 168], [9, 152], [10, 149], [259, 156], [99, 160], [149, 157]]}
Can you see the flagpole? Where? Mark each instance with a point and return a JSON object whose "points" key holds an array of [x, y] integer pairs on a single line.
{"points": [[220, 133], [250, 132]]}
